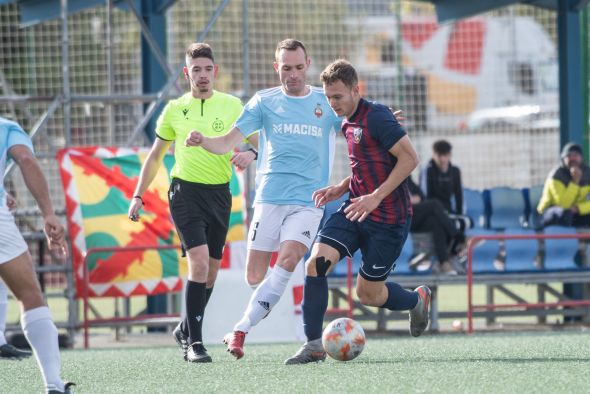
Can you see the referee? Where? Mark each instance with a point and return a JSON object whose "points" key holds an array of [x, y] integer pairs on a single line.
{"points": [[199, 195]]}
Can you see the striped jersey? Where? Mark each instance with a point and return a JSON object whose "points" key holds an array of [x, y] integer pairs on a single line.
{"points": [[370, 132]]}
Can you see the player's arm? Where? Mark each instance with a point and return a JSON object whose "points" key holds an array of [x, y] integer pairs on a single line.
{"points": [[330, 193], [34, 178], [146, 176], [250, 119], [407, 161], [253, 139], [218, 145], [243, 159], [37, 185], [399, 115]]}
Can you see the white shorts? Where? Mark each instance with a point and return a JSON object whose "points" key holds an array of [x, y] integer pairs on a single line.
{"points": [[12, 243], [273, 224]]}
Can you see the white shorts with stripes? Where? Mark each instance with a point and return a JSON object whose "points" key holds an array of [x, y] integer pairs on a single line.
{"points": [[273, 224]]}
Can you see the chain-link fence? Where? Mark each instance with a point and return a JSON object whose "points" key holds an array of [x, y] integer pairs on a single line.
{"points": [[487, 84]]}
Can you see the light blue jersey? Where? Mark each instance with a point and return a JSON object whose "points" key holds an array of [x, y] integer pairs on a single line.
{"points": [[296, 144], [10, 134]]}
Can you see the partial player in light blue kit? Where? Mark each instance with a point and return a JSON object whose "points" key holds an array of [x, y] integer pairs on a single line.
{"points": [[8, 351], [296, 134], [16, 264]]}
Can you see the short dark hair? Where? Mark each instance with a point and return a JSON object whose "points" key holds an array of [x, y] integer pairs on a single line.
{"points": [[340, 70], [289, 44], [199, 49], [442, 147]]}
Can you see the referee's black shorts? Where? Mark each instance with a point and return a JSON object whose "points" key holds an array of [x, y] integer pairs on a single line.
{"points": [[201, 214]]}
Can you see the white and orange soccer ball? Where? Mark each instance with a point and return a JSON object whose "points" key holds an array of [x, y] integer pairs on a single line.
{"points": [[343, 339]]}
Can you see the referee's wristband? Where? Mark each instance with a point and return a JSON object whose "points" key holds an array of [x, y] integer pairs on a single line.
{"points": [[255, 153], [140, 199]]}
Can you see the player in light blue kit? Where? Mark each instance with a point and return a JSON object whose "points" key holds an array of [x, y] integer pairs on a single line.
{"points": [[296, 133], [7, 351], [16, 264]]}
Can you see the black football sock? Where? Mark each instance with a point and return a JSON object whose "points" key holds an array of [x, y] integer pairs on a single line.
{"points": [[196, 296], [184, 323], [208, 295]]}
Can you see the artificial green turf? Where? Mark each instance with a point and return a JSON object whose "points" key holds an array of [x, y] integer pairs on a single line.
{"points": [[557, 362]]}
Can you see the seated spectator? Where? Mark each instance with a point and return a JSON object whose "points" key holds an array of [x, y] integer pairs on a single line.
{"points": [[564, 201], [441, 180], [430, 217]]}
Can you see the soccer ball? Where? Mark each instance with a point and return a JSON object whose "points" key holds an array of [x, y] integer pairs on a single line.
{"points": [[343, 339]]}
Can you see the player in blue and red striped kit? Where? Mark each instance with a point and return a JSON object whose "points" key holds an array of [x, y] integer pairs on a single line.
{"points": [[375, 218]]}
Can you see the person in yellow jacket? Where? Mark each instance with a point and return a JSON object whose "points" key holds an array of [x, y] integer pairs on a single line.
{"points": [[565, 194]]}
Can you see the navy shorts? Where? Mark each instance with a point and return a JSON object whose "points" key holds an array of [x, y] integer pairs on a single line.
{"points": [[201, 214], [380, 243]]}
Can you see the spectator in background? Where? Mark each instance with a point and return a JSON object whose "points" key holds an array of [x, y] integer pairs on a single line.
{"points": [[441, 180], [430, 217], [564, 200]]}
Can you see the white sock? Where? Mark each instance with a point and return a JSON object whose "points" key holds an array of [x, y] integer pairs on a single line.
{"points": [[3, 311], [255, 285], [264, 298], [42, 336]]}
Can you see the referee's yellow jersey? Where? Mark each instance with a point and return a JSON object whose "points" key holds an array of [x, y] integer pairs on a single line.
{"points": [[212, 117]]}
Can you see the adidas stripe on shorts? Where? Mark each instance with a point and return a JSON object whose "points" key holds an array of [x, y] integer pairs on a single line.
{"points": [[273, 224]]}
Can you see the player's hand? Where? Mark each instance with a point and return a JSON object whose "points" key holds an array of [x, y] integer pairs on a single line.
{"points": [[194, 138], [327, 194], [242, 159], [361, 207], [134, 208], [10, 202], [399, 115], [56, 238]]}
